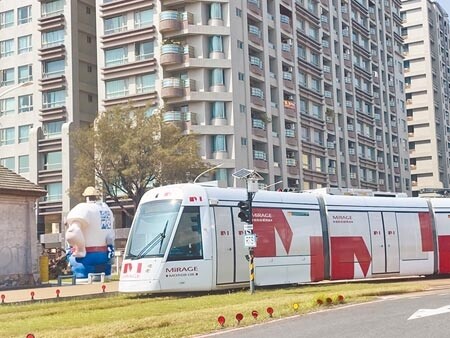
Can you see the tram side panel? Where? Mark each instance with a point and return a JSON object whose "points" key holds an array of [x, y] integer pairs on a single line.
{"points": [[442, 222], [231, 265], [415, 235], [289, 245], [349, 238]]}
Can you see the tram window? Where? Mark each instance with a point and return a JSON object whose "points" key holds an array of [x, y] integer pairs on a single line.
{"points": [[187, 243]]}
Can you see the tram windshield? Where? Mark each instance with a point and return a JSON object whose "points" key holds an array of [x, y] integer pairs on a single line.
{"points": [[151, 229]]}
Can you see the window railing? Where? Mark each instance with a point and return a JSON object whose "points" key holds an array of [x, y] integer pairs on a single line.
{"points": [[117, 29], [117, 62], [145, 56], [172, 82], [257, 92], [259, 124], [169, 15], [53, 104], [291, 162], [290, 133], [48, 44], [259, 155]]}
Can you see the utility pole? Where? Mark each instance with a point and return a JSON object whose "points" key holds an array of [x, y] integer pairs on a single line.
{"points": [[246, 216]]}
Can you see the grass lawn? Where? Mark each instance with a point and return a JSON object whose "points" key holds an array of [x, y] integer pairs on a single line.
{"points": [[171, 316]]}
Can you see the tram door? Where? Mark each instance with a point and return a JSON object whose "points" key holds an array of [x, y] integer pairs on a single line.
{"points": [[385, 249], [231, 265]]}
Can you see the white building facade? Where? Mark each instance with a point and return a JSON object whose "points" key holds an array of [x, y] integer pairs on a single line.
{"points": [[427, 78], [48, 86]]}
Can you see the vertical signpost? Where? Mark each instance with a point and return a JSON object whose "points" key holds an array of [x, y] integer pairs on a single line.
{"points": [[245, 214]]}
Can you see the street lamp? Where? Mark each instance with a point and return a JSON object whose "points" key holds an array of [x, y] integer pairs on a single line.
{"points": [[19, 85]]}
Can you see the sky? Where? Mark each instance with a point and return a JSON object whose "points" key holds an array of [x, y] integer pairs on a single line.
{"points": [[446, 5]]}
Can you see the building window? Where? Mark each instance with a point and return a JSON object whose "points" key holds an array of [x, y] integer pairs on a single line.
{"points": [[52, 129], [240, 44], [217, 77], [50, 8], [8, 162], [219, 143], [241, 76], [143, 18], [243, 141], [7, 106], [52, 161], [24, 133], [216, 44], [25, 103], [53, 68], [24, 164], [6, 48], [144, 50], [215, 11], [53, 38], [88, 39], [23, 15], [238, 12], [24, 44], [218, 110], [242, 108], [54, 191], [116, 24], [7, 77], [53, 99], [116, 88], [116, 56], [89, 68], [88, 10], [145, 83], [7, 136], [6, 19], [25, 73]]}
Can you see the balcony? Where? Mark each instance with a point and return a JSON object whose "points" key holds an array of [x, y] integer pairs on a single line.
{"points": [[258, 128], [286, 51], [254, 35], [289, 108], [285, 23], [172, 87], [260, 159], [287, 80], [171, 54], [254, 6], [256, 65], [169, 21], [257, 96]]}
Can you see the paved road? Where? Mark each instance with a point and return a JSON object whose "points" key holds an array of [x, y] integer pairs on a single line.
{"points": [[387, 317]]}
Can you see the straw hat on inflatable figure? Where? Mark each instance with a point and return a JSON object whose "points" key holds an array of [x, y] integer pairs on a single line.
{"points": [[90, 236]]}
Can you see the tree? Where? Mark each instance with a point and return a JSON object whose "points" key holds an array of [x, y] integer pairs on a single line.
{"points": [[128, 151]]}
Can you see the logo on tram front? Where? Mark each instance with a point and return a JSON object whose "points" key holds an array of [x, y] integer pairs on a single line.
{"points": [[137, 269]]}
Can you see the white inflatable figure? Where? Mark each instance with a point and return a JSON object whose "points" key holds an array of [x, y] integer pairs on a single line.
{"points": [[90, 236]]}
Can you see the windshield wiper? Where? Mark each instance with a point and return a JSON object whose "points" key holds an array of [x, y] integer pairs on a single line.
{"points": [[163, 235], [150, 245]]}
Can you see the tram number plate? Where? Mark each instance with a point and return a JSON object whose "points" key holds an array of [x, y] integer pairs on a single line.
{"points": [[250, 241]]}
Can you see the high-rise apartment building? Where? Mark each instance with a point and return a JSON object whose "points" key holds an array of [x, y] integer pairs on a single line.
{"points": [[48, 86], [427, 79], [309, 93]]}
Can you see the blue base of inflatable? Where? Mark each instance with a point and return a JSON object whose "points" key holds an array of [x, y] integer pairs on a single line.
{"points": [[93, 262]]}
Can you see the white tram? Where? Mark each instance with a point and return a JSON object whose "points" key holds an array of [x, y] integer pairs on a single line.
{"points": [[187, 237]]}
